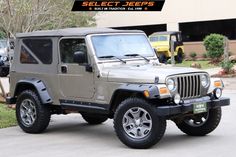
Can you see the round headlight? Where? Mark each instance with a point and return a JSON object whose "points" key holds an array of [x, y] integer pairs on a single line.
{"points": [[204, 80], [5, 58], [171, 84], [217, 93]]}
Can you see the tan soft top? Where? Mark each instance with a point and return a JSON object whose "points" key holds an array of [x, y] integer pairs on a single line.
{"points": [[74, 32]]}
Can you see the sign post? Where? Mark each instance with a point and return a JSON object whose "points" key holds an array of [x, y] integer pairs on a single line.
{"points": [[172, 52]]}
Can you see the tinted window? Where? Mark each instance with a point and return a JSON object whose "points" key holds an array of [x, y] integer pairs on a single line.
{"points": [[159, 38], [148, 29], [179, 38], [69, 46], [197, 31], [42, 49], [163, 38], [153, 39], [26, 57], [173, 38]]}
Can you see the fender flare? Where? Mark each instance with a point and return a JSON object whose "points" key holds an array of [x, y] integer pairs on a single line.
{"points": [[39, 86], [134, 88], [138, 88]]}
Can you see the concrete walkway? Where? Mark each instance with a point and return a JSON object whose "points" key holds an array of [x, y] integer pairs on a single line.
{"points": [[213, 71], [230, 83]]}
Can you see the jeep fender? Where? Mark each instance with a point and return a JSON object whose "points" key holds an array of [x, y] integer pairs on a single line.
{"points": [[135, 88], [36, 84], [140, 88]]}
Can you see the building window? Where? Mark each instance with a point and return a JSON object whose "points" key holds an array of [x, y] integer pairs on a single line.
{"points": [[26, 57], [41, 48], [148, 29], [197, 31], [69, 46]]}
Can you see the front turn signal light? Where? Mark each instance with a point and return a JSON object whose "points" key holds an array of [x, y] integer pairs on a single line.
{"points": [[146, 94], [163, 91], [218, 84]]}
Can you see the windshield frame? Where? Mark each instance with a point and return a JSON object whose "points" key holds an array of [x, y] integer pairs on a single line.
{"points": [[124, 58]]}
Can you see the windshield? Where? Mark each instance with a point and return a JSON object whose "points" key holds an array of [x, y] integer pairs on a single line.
{"points": [[121, 45], [3, 44], [159, 38]]}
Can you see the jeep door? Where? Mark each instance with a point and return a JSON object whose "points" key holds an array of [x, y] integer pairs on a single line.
{"points": [[74, 81]]}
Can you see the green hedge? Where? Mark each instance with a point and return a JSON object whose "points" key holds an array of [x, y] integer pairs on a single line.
{"points": [[214, 44]]}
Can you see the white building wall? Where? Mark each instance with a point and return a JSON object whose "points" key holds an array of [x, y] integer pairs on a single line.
{"points": [[174, 12]]}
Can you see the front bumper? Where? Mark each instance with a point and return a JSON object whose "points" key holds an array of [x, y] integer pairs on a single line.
{"points": [[5, 66], [187, 106]]}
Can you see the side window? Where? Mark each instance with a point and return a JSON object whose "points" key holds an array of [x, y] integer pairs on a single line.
{"points": [[179, 38], [41, 48], [26, 57], [69, 46], [173, 38]]}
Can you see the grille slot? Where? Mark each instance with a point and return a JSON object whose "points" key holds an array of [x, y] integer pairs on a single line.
{"points": [[189, 86]]}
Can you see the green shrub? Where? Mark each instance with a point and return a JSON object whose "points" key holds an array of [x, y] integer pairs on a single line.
{"points": [[193, 55], [227, 66], [214, 44], [7, 117], [204, 55], [168, 61]]}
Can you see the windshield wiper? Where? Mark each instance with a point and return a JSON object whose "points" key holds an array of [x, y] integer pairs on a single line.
{"points": [[113, 57], [135, 55]]}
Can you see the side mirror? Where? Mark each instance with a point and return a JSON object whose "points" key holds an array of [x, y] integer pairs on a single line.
{"points": [[80, 57]]}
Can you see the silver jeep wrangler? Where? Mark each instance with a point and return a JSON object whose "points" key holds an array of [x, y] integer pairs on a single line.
{"points": [[105, 73]]}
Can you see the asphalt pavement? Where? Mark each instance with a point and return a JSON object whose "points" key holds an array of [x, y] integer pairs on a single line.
{"points": [[70, 136]]}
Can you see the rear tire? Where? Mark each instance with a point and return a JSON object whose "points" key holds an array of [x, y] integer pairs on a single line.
{"points": [[4, 72], [94, 118], [162, 58], [32, 116], [194, 127], [137, 125], [179, 57]]}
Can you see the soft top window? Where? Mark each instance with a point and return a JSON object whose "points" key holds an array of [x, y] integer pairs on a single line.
{"points": [[41, 48]]}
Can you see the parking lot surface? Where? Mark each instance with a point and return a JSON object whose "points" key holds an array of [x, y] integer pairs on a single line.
{"points": [[71, 136]]}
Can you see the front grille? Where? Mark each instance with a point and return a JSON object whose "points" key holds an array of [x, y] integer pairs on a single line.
{"points": [[189, 86]]}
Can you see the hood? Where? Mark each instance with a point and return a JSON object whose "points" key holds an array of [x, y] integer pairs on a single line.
{"points": [[143, 73], [160, 44]]}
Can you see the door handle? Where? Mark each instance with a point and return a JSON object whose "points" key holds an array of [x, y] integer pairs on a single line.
{"points": [[64, 69]]}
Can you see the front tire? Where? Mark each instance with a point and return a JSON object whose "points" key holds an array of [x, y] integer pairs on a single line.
{"points": [[94, 119], [200, 124], [162, 58], [137, 125], [32, 116]]}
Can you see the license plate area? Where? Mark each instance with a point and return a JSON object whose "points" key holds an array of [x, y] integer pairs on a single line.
{"points": [[199, 108]]}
